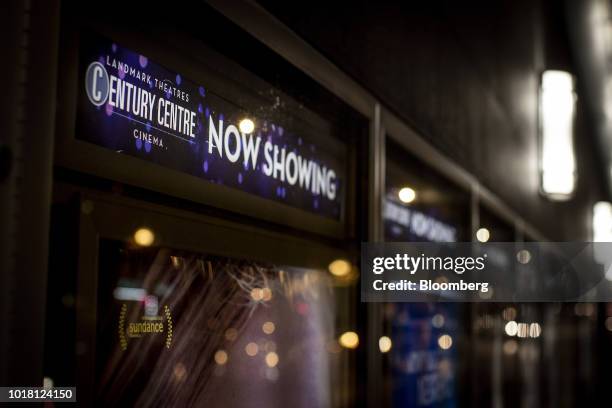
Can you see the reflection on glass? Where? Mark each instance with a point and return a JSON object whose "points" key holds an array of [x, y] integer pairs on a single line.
{"points": [[178, 329], [246, 126], [483, 235], [340, 267], [144, 237], [349, 340], [423, 360]]}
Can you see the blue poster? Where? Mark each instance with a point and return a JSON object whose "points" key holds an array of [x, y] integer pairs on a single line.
{"points": [[134, 106], [423, 355]]}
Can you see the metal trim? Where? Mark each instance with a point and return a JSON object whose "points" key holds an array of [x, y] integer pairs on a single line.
{"points": [[258, 22], [262, 25]]}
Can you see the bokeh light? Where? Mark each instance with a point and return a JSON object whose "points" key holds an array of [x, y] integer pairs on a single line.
{"points": [[144, 237], [407, 195], [483, 235], [340, 267], [445, 341], [385, 344], [251, 349], [221, 357], [268, 327], [271, 359], [511, 328], [349, 340], [246, 125]]}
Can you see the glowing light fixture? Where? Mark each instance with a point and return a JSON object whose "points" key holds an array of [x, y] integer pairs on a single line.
{"points": [[557, 160], [407, 195], [246, 125], [602, 222], [602, 232], [144, 237], [340, 267], [483, 235], [349, 340], [385, 344]]}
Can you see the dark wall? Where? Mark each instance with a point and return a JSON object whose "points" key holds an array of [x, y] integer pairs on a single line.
{"points": [[465, 75]]}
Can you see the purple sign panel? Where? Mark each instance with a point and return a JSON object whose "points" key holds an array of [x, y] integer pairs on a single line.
{"points": [[134, 106]]}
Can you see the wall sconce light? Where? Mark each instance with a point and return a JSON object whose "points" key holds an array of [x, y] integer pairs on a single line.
{"points": [[602, 232], [557, 111], [602, 222]]}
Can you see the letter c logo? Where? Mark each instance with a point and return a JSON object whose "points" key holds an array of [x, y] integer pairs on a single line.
{"points": [[96, 83]]}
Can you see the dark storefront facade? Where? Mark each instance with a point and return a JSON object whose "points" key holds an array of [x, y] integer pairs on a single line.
{"points": [[213, 171], [201, 237]]}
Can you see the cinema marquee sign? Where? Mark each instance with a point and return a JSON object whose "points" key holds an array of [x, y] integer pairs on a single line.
{"points": [[134, 106]]}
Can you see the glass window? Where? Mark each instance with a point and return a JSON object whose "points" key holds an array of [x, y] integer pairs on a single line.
{"points": [[226, 331], [422, 368], [420, 204], [177, 328]]}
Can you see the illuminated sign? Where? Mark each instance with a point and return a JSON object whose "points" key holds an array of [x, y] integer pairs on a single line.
{"points": [[133, 106], [408, 224]]}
